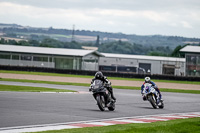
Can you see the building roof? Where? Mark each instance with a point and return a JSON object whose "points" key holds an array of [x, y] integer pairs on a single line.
{"points": [[143, 57], [191, 49], [49, 51]]}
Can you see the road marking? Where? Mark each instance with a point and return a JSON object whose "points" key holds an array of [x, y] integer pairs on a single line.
{"points": [[79, 92], [98, 123], [132, 121]]}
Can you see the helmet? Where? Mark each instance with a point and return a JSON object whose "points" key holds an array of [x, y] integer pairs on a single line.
{"points": [[147, 79], [99, 75]]}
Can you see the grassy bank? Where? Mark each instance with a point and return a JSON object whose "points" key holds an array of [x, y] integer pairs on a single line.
{"points": [[84, 76], [191, 125], [87, 85], [30, 89]]}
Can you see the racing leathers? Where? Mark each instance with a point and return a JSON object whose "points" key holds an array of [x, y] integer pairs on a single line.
{"points": [[105, 80], [154, 86]]}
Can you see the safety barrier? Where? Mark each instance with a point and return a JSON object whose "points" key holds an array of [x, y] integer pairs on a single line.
{"points": [[92, 73]]}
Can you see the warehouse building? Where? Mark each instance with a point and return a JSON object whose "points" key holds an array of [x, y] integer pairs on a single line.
{"points": [[74, 59], [192, 56], [142, 64]]}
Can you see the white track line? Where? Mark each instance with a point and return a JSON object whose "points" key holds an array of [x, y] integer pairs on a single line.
{"points": [[132, 121]]}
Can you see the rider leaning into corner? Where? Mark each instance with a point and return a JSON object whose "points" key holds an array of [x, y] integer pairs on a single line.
{"points": [[148, 80], [99, 75]]}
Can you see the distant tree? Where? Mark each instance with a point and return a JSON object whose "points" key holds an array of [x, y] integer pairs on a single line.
{"points": [[2, 41], [51, 43], [12, 42], [34, 42], [154, 53], [72, 45], [23, 43], [176, 52]]}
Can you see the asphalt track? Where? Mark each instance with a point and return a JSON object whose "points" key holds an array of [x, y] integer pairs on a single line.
{"points": [[34, 108]]}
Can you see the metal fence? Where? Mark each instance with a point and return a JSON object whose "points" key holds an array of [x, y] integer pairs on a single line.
{"points": [[92, 73]]}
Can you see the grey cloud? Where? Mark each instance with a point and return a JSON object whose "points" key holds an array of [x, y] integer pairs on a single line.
{"points": [[113, 4], [152, 16]]}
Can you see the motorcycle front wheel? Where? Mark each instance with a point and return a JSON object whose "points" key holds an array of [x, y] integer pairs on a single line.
{"points": [[152, 101], [101, 102]]}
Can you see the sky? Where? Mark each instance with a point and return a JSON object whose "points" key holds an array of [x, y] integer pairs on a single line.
{"points": [[140, 17]]}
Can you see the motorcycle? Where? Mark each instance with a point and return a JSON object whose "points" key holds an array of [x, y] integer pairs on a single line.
{"points": [[102, 95], [150, 94]]}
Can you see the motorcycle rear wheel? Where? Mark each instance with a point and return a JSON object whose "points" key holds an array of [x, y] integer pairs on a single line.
{"points": [[112, 107], [161, 106]]}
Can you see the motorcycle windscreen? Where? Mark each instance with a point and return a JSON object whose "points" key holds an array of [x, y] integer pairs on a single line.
{"points": [[97, 84], [147, 87]]}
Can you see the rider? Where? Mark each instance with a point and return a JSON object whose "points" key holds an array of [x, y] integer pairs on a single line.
{"points": [[99, 75], [148, 80]]}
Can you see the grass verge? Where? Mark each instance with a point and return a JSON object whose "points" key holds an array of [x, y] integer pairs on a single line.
{"points": [[161, 89], [191, 125], [87, 85], [30, 89], [84, 76]]}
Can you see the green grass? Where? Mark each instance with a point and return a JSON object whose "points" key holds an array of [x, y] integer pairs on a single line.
{"points": [[84, 76], [30, 89], [87, 85], [161, 89], [45, 82], [45, 74], [191, 125]]}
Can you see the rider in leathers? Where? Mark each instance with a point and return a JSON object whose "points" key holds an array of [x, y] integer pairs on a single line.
{"points": [[148, 80], [99, 75]]}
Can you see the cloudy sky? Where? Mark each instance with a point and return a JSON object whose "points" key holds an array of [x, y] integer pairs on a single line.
{"points": [[141, 17]]}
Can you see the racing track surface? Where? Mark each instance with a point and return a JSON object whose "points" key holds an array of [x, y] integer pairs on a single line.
{"points": [[34, 108]]}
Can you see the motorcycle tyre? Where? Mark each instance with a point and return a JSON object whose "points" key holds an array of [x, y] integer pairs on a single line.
{"points": [[100, 102], [111, 107], [151, 100], [161, 106]]}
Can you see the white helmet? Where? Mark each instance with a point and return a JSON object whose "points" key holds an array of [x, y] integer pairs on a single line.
{"points": [[147, 79]]}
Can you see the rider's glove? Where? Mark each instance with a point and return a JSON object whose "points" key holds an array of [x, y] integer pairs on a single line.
{"points": [[90, 88]]}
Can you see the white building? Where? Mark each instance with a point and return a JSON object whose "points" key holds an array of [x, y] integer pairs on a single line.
{"points": [[142, 64], [74, 59], [78, 59], [192, 56]]}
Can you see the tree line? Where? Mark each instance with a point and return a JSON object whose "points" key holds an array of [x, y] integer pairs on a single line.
{"points": [[41, 33], [117, 47], [47, 42]]}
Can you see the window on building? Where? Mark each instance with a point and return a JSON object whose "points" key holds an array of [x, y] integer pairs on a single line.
{"points": [[126, 69], [168, 69], [15, 57], [40, 58], [64, 63], [145, 67], [107, 68], [26, 57], [50, 59], [193, 65], [4, 56]]}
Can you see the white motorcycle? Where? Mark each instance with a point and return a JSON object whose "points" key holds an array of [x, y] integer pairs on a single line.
{"points": [[150, 94]]}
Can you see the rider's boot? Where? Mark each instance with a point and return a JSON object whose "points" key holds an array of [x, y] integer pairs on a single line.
{"points": [[112, 96], [160, 97], [144, 98]]}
